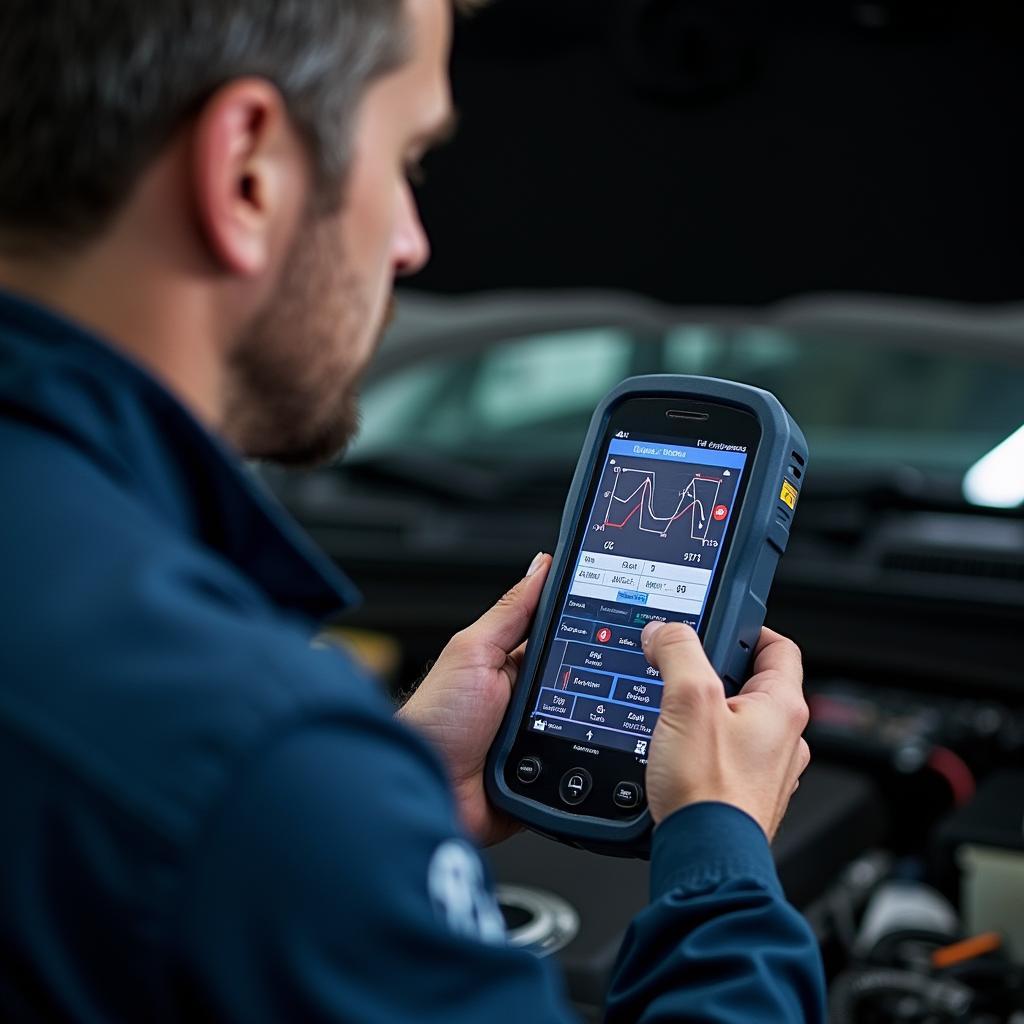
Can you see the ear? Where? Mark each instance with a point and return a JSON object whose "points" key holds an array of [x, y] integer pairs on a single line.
{"points": [[249, 174]]}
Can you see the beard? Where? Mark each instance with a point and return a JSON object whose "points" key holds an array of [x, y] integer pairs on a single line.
{"points": [[294, 376]]}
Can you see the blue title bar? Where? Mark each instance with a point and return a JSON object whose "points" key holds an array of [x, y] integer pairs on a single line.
{"points": [[677, 453]]}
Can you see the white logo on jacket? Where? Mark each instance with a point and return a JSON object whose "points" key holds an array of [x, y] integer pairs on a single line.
{"points": [[460, 895]]}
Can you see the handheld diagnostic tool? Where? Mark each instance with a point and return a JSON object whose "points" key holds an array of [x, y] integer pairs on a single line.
{"points": [[679, 511]]}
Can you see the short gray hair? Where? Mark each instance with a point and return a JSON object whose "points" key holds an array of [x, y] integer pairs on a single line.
{"points": [[91, 91]]}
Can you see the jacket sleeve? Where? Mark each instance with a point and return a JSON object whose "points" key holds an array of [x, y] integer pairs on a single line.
{"points": [[334, 885], [718, 943]]}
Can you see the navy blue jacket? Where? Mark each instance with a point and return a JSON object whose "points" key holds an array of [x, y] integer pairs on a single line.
{"points": [[205, 817]]}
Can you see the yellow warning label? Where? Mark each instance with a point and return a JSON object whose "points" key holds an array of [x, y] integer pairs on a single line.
{"points": [[789, 494]]}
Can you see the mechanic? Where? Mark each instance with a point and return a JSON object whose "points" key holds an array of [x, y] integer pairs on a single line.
{"points": [[207, 816]]}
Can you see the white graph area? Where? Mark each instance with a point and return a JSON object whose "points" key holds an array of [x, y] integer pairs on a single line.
{"points": [[700, 513]]}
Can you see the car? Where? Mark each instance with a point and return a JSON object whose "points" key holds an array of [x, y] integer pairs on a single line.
{"points": [[474, 411]]}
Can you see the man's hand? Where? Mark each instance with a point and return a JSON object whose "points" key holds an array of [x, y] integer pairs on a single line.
{"points": [[746, 750], [459, 705]]}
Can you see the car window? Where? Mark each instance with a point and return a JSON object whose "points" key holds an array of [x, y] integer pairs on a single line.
{"points": [[392, 405], [884, 399], [521, 387], [879, 400], [544, 377]]}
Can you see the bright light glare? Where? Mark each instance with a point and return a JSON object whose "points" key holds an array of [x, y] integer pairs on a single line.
{"points": [[997, 479]]}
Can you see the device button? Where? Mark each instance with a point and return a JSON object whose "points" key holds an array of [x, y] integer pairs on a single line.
{"points": [[626, 795], [575, 785], [528, 770]]}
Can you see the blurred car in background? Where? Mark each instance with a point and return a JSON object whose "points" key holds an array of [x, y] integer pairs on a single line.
{"points": [[903, 583], [475, 409]]}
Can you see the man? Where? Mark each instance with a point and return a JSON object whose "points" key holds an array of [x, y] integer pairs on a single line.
{"points": [[203, 206]]}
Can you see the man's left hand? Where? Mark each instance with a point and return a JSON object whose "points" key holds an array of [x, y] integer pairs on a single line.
{"points": [[460, 703]]}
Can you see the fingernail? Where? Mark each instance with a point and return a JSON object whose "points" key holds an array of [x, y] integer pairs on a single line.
{"points": [[538, 561], [648, 632]]}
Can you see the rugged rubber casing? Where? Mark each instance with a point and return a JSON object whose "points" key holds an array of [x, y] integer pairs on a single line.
{"points": [[733, 623]]}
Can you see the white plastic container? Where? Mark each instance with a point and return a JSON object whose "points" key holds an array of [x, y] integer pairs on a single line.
{"points": [[992, 894]]}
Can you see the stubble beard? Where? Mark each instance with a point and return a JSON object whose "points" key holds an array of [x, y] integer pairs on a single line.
{"points": [[294, 377]]}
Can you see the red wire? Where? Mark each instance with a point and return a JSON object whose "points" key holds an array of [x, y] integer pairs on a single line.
{"points": [[954, 770]]}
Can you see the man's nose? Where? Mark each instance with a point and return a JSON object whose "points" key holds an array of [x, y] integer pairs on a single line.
{"points": [[411, 246]]}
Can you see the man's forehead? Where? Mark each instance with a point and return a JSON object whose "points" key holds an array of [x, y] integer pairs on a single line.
{"points": [[430, 28]]}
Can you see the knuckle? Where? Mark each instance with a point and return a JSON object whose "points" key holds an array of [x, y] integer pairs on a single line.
{"points": [[708, 688], [799, 714], [694, 691], [511, 603], [462, 642], [792, 655], [804, 754], [793, 710], [792, 648]]}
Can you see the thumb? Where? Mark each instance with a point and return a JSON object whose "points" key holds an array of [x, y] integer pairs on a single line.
{"points": [[506, 623], [676, 652]]}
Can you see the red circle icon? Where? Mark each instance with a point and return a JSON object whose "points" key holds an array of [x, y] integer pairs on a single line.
{"points": [[720, 512], [603, 635]]}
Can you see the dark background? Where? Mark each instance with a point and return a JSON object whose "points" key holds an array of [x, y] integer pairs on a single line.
{"points": [[734, 151]]}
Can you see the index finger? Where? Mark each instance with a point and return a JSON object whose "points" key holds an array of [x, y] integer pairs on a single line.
{"points": [[778, 667]]}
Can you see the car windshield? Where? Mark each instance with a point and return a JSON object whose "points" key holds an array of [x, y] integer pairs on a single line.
{"points": [[890, 401]]}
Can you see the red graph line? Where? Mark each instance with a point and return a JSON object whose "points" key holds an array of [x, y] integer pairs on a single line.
{"points": [[632, 512], [648, 488], [681, 512]]}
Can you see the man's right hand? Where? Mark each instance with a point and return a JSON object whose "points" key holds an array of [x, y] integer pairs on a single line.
{"points": [[745, 750]]}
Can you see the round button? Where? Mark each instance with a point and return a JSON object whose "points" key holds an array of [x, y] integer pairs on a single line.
{"points": [[528, 770], [575, 785], [626, 795]]}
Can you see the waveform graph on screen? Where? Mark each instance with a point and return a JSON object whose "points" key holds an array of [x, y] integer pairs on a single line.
{"points": [[662, 510], [637, 499]]}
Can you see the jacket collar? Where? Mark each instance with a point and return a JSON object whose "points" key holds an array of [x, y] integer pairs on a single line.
{"points": [[55, 373]]}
